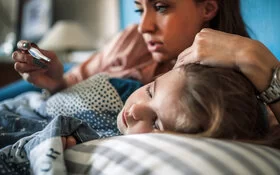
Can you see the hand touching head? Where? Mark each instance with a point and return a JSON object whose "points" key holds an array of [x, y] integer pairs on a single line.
{"points": [[198, 100]]}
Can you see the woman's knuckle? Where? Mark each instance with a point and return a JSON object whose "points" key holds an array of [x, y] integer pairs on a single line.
{"points": [[204, 30], [16, 66]]}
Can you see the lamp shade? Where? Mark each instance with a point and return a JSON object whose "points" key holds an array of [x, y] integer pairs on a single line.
{"points": [[66, 36]]}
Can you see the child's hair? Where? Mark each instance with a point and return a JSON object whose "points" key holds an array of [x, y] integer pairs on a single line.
{"points": [[222, 103]]}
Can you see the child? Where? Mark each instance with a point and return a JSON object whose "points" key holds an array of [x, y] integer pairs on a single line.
{"points": [[197, 100], [193, 99]]}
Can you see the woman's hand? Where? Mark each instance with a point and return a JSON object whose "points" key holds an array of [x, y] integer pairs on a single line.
{"points": [[252, 58], [216, 48], [48, 77]]}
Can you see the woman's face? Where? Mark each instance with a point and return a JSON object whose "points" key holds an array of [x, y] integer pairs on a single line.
{"points": [[154, 107], [169, 26]]}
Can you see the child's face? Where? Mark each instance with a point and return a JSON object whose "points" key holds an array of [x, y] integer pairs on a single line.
{"points": [[153, 107], [169, 26]]}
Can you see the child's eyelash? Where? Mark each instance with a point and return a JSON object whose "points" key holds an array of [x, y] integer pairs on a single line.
{"points": [[148, 91], [155, 126]]}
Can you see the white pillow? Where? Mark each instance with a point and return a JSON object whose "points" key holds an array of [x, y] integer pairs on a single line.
{"points": [[144, 154]]}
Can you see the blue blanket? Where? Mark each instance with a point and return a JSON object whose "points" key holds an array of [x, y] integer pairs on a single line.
{"points": [[31, 125], [42, 152]]}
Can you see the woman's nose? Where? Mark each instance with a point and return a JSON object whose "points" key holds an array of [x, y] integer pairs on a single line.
{"points": [[147, 24], [141, 112]]}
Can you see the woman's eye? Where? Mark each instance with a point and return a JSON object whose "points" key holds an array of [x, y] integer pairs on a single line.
{"points": [[139, 11], [161, 8]]}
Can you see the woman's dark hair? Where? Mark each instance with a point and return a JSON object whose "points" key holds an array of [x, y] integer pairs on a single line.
{"points": [[228, 18], [222, 103]]}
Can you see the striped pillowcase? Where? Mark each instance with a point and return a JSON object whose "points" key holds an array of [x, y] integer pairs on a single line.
{"points": [[170, 154]]}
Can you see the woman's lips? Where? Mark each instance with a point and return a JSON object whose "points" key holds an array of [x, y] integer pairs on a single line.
{"points": [[124, 118], [154, 46]]}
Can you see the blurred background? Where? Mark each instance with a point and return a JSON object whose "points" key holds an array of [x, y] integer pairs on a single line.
{"points": [[74, 29]]}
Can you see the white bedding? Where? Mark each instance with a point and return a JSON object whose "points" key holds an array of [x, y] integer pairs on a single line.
{"points": [[169, 154]]}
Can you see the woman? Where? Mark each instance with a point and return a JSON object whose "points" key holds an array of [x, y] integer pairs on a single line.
{"points": [[166, 29]]}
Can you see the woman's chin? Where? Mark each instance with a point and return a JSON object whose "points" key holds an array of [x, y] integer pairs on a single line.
{"points": [[159, 57]]}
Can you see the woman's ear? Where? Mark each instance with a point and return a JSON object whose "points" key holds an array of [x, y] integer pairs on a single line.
{"points": [[210, 9]]}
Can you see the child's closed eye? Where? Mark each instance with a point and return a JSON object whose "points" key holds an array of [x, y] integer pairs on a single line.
{"points": [[148, 90], [156, 125]]}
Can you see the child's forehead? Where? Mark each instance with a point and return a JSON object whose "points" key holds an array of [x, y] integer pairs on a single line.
{"points": [[170, 86], [176, 73]]}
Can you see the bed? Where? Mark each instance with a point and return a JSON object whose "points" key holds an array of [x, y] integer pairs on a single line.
{"points": [[142, 154], [147, 154], [170, 154]]}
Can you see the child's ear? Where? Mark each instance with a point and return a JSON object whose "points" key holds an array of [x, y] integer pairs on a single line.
{"points": [[210, 9]]}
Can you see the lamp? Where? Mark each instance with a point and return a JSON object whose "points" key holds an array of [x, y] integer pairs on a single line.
{"points": [[66, 36]]}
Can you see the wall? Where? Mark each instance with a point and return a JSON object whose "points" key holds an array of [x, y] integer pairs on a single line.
{"points": [[261, 16], [99, 17], [8, 17], [127, 14], [8, 26]]}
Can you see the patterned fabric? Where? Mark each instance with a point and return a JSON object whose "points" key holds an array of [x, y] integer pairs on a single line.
{"points": [[94, 100], [146, 154], [42, 152], [95, 93], [19, 119]]}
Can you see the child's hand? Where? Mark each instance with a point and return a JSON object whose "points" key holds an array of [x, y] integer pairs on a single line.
{"points": [[68, 142]]}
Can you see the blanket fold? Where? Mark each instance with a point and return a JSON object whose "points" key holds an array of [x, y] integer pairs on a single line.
{"points": [[42, 152]]}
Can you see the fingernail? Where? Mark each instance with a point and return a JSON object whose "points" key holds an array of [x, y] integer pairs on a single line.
{"points": [[23, 44], [14, 55]]}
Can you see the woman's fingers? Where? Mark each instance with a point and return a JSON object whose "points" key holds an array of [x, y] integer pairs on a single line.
{"points": [[25, 68], [18, 56], [29, 62], [213, 48], [32, 76], [183, 57]]}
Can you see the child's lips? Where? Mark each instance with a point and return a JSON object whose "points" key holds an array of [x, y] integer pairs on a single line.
{"points": [[124, 118]]}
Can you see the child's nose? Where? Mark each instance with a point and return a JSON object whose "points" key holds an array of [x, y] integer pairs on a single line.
{"points": [[140, 112]]}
